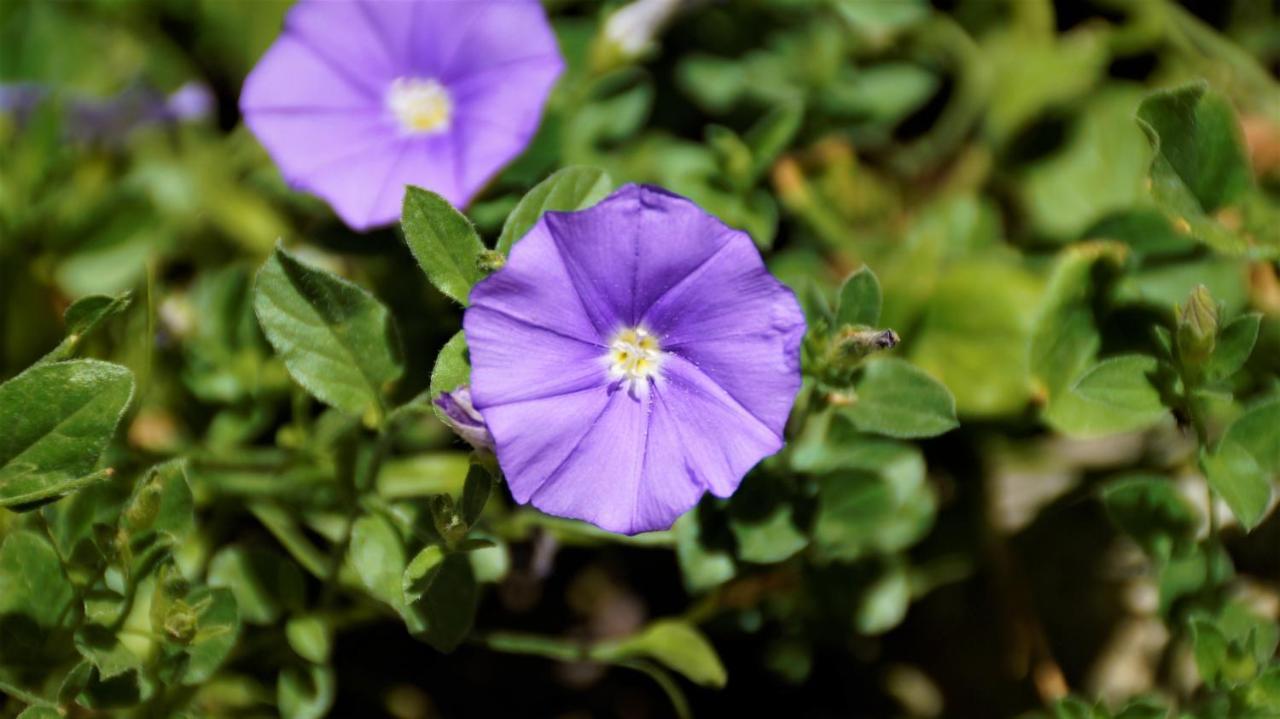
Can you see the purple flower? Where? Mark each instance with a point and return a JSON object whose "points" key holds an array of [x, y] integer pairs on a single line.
{"points": [[359, 98], [630, 357]]}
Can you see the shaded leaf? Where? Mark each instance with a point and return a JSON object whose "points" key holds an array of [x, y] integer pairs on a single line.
{"points": [[1115, 395], [1233, 347], [306, 693]]}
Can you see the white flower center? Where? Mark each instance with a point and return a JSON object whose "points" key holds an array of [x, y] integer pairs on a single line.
{"points": [[634, 357], [422, 106]]}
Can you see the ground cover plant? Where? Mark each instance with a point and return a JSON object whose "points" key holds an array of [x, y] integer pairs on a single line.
{"points": [[652, 358]]}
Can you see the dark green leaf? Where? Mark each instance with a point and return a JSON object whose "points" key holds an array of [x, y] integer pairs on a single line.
{"points": [[446, 611], [57, 419], [475, 492], [1196, 132], [265, 584], [337, 340], [1258, 432], [421, 572], [1234, 345], [568, 189], [1149, 509], [859, 299], [443, 241], [897, 399]]}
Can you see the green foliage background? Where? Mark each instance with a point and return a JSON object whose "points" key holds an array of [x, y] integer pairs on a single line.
{"points": [[1031, 471]]}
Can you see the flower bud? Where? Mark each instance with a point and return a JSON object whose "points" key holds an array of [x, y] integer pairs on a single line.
{"points": [[462, 417], [1197, 328]]}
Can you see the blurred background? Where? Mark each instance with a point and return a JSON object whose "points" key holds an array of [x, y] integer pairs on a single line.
{"points": [[956, 147]]}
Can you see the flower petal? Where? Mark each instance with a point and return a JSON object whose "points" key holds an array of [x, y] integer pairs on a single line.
{"points": [[293, 75], [632, 247], [534, 286], [343, 31], [719, 438], [519, 361], [739, 326], [487, 42]]}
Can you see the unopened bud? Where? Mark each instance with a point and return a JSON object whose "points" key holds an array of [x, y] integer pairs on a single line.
{"points": [[463, 418], [1197, 328]]}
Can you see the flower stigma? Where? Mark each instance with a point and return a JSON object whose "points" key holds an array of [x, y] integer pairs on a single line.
{"points": [[635, 357], [422, 106]]}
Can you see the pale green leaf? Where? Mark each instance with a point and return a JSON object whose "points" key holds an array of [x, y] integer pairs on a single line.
{"points": [[897, 399]]}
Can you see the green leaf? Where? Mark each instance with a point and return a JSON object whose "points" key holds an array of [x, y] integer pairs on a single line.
{"points": [[1221, 662], [40, 712], [1195, 131], [306, 693], [1258, 432], [1151, 511], [82, 317], [1234, 345], [1074, 188], [310, 636], [421, 572], [57, 419], [337, 340], [1064, 339], [378, 556], [770, 539], [771, 134], [884, 604], [701, 566], [1115, 395], [101, 646], [897, 399], [452, 368], [475, 492], [162, 503], [443, 241], [265, 584], [217, 629], [977, 320], [566, 190], [859, 299], [34, 596], [447, 609], [674, 643], [1235, 475]]}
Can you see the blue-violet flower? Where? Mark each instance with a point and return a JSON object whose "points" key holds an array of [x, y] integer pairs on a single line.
{"points": [[630, 357], [359, 98]]}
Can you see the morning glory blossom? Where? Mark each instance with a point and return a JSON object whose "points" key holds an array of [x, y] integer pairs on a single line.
{"points": [[630, 357], [359, 98]]}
